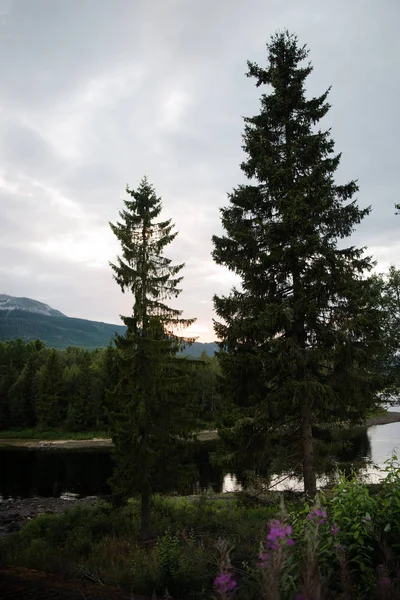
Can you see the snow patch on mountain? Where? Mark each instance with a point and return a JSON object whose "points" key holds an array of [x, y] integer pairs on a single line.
{"points": [[11, 303]]}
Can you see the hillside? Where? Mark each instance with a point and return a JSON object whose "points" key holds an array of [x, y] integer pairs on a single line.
{"points": [[11, 303], [31, 320]]}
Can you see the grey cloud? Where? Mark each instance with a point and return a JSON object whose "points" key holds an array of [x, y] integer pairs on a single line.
{"points": [[95, 94], [24, 148]]}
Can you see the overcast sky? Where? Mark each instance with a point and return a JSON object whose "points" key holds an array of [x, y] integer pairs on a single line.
{"points": [[96, 93]]}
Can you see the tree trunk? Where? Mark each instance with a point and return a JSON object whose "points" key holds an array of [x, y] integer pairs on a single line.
{"points": [[310, 483], [145, 515]]}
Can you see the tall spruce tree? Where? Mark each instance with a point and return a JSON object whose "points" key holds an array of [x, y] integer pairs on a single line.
{"points": [[298, 334], [152, 417]]}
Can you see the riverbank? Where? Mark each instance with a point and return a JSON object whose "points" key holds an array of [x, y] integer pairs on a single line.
{"points": [[384, 419], [15, 513], [82, 442], [95, 442]]}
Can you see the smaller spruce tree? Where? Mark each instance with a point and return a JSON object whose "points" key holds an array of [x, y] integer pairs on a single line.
{"points": [[152, 415]]}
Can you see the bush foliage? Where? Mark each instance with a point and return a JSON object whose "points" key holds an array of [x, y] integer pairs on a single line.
{"points": [[345, 546]]}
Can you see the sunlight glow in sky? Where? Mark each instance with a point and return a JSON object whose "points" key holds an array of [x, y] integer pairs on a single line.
{"points": [[96, 94]]}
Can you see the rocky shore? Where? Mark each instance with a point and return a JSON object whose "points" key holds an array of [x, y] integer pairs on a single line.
{"points": [[15, 513], [385, 419]]}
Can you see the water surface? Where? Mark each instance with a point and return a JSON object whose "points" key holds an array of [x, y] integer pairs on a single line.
{"points": [[27, 473]]}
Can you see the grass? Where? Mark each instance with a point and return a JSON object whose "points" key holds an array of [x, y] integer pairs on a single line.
{"points": [[51, 434], [62, 434], [103, 544], [378, 412]]}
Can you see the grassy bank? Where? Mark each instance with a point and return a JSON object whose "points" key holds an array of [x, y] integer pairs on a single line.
{"points": [[347, 544], [32, 438], [51, 434], [378, 417]]}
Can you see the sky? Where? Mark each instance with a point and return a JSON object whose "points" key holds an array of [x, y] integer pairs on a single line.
{"points": [[94, 94]]}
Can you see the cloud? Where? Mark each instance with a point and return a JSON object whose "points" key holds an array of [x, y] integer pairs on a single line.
{"points": [[95, 94]]}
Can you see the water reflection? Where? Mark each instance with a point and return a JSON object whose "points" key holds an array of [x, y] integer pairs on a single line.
{"points": [[51, 473], [25, 473]]}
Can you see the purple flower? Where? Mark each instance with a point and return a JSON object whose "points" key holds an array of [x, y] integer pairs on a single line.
{"points": [[299, 597], [317, 514], [334, 529], [225, 582], [290, 542], [278, 534], [263, 558], [339, 547], [385, 581]]}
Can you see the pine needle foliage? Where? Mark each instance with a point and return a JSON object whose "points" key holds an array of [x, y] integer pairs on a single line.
{"points": [[298, 334], [152, 419]]}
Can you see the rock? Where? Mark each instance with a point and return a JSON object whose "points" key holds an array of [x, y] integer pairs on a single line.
{"points": [[18, 512]]}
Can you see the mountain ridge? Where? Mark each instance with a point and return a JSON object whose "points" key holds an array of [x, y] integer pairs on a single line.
{"points": [[37, 320], [10, 303]]}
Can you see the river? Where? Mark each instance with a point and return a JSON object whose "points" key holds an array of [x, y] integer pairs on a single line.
{"points": [[61, 473]]}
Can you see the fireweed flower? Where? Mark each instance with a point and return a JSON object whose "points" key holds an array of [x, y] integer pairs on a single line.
{"points": [[339, 547], [318, 515], [277, 536], [385, 581], [334, 529], [225, 583]]}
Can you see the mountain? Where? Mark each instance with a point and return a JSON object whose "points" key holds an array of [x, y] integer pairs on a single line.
{"points": [[9, 303], [32, 320]]}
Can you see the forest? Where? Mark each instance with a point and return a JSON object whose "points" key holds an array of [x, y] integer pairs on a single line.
{"points": [[68, 390]]}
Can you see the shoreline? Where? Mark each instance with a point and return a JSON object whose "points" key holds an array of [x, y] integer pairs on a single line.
{"points": [[203, 436], [17, 512]]}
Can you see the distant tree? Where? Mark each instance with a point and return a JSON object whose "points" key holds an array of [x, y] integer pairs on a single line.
{"points": [[151, 422], [50, 397], [98, 418], [14, 355], [22, 396], [388, 287], [206, 388], [70, 381], [110, 369], [204, 356], [298, 336], [80, 411], [8, 377]]}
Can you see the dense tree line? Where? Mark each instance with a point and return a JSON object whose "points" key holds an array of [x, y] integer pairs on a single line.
{"points": [[47, 388], [70, 389]]}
